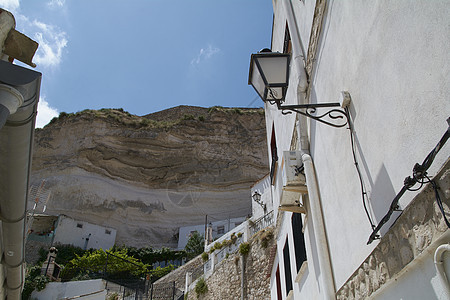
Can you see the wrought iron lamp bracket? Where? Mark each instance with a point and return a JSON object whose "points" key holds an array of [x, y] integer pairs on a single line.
{"points": [[335, 117]]}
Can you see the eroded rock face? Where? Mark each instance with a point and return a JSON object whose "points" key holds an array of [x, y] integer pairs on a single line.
{"points": [[147, 176]]}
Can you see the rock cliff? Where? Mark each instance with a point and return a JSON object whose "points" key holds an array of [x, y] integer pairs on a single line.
{"points": [[146, 176]]}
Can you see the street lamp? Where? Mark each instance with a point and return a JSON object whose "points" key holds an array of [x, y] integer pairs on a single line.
{"points": [[269, 76], [257, 198]]}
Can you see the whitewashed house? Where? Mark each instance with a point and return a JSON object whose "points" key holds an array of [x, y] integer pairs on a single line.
{"points": [[85, 235], [366, 101], [217, 229]]}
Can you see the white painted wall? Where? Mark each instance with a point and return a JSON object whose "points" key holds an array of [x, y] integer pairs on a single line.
{"points": [[68, 232], [264, 188], [93, 289], [393, 58]]}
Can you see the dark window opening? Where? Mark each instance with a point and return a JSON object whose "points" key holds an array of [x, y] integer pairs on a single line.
{"points": [[220, 229], [287, 46], [79, 225], [287, 267], [277, 275], [107, 231], [299, 240]]}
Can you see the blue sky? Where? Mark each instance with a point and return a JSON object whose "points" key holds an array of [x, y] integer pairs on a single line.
{"points": [[143, 55]]}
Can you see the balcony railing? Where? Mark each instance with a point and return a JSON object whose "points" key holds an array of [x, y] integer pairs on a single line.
{"points": [[261, 223]]}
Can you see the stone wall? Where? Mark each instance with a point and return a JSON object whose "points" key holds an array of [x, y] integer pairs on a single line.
{"points": [[228, 281], [420, 224], [179, 274], [32, 251]]}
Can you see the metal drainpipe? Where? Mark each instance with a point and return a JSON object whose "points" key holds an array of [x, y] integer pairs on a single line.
{"points": [[16, 139], [439, 263], [315, 205]]}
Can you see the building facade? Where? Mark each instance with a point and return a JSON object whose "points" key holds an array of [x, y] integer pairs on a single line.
{"points": [[69, 231], [365, 232], [216, 228]]}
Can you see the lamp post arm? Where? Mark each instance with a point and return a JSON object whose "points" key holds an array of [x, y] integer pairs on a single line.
{"points": [[335, 117]]}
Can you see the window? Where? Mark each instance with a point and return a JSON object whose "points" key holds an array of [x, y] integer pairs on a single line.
{"points": [[277, 275], [79, 225], [221, 229], [299, 240], [274, 155], [287, 267], [107, 231], [287, 46]]}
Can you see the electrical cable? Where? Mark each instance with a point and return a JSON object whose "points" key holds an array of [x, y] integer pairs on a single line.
{"points": [[363, 191], [439, 201], [419, 176]]}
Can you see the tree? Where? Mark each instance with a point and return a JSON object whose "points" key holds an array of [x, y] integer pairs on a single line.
{"points": [[195, 245]]}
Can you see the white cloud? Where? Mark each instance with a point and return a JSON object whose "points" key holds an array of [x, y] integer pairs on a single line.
{"points": [[56, 3], [45, 113], [52, 42], [51, 39], [10, 5], [205, 54]]}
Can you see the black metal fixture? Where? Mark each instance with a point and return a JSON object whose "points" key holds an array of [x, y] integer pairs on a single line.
{"points": [[420, 177], [257, 198], [269, 76]]}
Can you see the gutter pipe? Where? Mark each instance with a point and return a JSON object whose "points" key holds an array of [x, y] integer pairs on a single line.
{"points": [[16, 139], [439, 263], [326, 282]]}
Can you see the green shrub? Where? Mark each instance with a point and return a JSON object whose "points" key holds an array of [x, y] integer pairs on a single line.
{"points": [[266, 236], [239, 234], [113, 296], [205, 256], [218, 245], [238, 111], [195, 244], [244, 248], [201, 287], [33, 280], [201, 118]]}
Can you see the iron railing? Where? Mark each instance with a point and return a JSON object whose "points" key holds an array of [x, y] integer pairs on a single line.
{"points": [[165, 291], [261, 223], [198, 272]]}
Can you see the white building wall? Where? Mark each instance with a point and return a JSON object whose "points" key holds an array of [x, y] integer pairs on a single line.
{"points": [[392, 56], [91, 289], [227, 225], [395, 63], [264, 188], [68, 231], [184, 232]]}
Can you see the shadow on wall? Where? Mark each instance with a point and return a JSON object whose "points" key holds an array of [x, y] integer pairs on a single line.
{"points": [[381, 192], [380, 199]]}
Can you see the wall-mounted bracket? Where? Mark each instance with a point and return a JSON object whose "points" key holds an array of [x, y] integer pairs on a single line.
{"points": [[335, 116]]}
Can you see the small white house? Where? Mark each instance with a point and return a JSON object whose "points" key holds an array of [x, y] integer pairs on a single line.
{"points": [[219, 228], [83, 234]]}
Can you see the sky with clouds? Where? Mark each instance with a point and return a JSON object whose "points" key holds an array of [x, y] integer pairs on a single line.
{"points": [[143, 55]]}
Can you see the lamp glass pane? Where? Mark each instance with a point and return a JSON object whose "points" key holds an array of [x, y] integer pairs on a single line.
{"points": [[274, 69], [275, 93], [257, 81]]}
